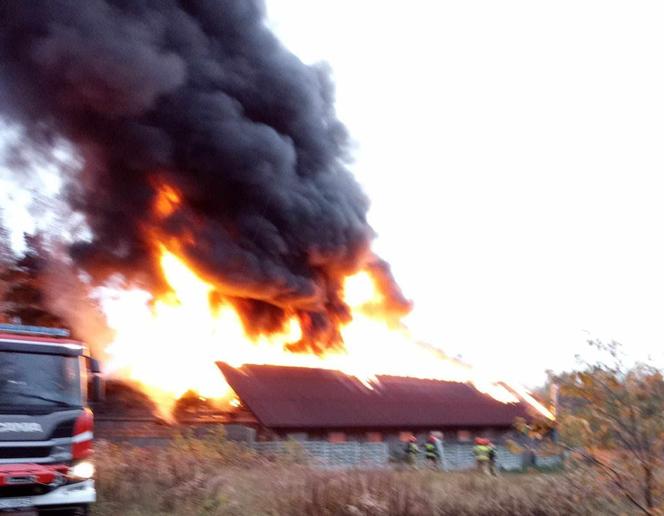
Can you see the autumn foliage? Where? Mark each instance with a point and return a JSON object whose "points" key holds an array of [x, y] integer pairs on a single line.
{"points": [[611, 423]]}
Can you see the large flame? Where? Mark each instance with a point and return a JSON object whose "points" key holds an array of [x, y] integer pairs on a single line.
{"points": [[169, 344]]}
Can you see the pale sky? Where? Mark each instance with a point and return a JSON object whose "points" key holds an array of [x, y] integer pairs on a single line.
{"points": [[513, 152]]}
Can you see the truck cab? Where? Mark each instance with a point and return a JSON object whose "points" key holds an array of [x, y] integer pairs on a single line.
{"points": [[46, 426]]}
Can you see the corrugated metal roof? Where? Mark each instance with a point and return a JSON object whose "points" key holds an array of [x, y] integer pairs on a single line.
{"points": [[294, 397]]}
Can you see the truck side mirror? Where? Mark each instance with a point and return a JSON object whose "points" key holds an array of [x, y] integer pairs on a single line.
{"points": [[95, 366], [97, 388]]}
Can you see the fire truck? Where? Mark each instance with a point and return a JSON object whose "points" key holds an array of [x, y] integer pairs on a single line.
{"points": [[46, 381]]}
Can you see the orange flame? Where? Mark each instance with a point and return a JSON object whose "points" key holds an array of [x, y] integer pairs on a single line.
{"points": [[167, 200], [170, 344]]}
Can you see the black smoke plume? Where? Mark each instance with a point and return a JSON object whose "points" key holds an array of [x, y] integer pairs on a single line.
{"points": [[201, 96]]}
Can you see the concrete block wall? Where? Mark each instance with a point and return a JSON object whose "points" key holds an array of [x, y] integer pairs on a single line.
{"points": [[456, 457], [332, 455], [548, 461], [459, 456], [375, 455]]}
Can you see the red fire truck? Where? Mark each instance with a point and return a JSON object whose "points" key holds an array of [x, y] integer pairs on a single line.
{"points": [[46, 434]]}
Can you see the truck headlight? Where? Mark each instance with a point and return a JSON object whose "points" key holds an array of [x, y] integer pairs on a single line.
{"points": [[82, 470]]}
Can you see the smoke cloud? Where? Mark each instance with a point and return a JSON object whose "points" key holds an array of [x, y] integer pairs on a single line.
{"points": [[200, 96]]}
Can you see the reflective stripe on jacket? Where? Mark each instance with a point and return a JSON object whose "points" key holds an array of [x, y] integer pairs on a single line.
{"points": [[412, 448], [481, 452]]}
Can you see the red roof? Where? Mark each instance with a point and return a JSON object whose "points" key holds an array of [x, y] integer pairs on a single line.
{"points": [[295, 397]]}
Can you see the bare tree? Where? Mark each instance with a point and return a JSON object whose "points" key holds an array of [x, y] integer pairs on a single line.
{"points": [[612, 419], [23, 298], [6, 260]]}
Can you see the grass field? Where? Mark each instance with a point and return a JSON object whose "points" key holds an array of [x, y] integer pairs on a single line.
{"points": [[198, 477]]}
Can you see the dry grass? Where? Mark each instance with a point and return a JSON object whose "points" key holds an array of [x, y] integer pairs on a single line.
{"points": [[199, 477]]}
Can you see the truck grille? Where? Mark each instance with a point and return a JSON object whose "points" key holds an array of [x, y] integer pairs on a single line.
{"points": [[24, 452]]}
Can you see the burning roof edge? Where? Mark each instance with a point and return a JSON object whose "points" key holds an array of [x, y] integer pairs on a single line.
{"points": [[300, 397]]}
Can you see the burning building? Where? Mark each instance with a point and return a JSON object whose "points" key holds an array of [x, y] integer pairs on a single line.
{"points": [[339, 419], [318, 404], [222, 221]]}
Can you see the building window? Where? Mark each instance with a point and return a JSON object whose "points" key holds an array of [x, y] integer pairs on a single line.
{"points": [[464, 436], [336, 437], [374, 437]]}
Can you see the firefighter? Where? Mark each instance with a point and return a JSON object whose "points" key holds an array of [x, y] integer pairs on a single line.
{"points": [[431, 451], [412, 451], [492, 459], [481, 451]]}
